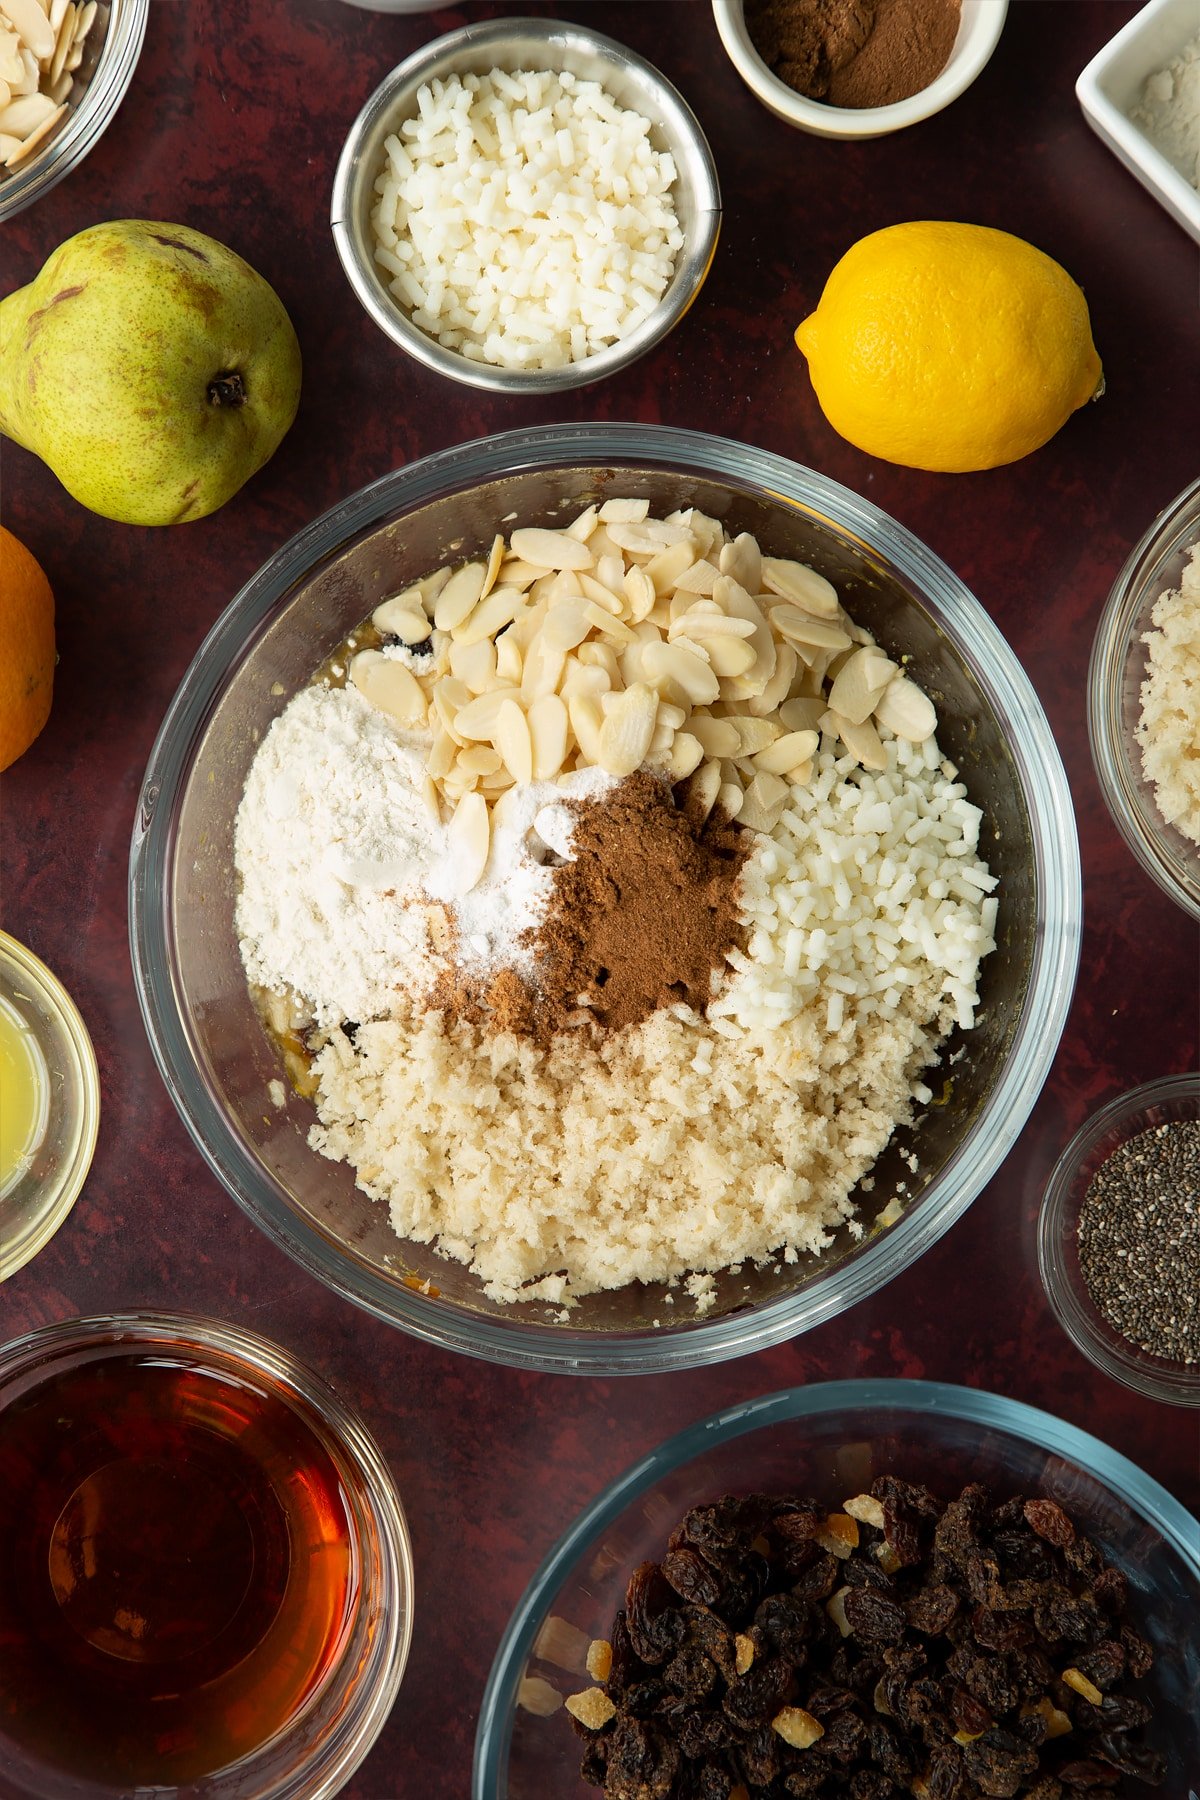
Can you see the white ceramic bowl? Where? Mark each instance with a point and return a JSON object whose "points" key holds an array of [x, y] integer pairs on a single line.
{"points": [[1111, 87], [978, 34]]}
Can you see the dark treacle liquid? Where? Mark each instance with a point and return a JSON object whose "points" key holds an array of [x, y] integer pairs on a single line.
{"points": [[176, 1570]]}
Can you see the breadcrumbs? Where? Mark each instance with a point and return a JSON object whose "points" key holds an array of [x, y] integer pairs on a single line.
{"points": [[532, 1165], [1168, 731]]}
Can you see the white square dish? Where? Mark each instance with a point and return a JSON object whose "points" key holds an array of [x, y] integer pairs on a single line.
{"points": [[1111, 87]]}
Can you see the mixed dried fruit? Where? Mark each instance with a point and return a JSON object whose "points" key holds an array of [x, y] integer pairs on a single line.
{"points": [[900, 1647]]}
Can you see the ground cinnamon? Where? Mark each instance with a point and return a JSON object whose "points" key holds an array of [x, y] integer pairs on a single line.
{"points": [[640, 918], [854, 53]]}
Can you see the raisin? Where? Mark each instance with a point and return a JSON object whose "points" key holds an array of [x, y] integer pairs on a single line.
{"points": [[931, 1609], [655, 1627], [1147, 1765], [1089, 1773], [786, 1626], [945, 1778], [1138, 1651], [1110, 1589], [967, 1712], [714, 1783], [1023, 1557], [701, 1734], [798, 1524], [626, 1667], [594, 1761], [859, 1572], [709, 1634], [888, 1753], [642, 1763], [758, 1694], [1103, 1665], [999, 1631], [644, 1698], [1046, 1788], [1050, 1522], [1060, 1615], [824, 1702], [843, 1737], [690, 1674], [692, 1577], [818, 1581], [759, 1757], [999, 1762], [868, 1784], [873, 1617]]}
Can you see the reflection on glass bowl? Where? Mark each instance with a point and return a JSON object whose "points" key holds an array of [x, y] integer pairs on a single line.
{"points": [[219, 1065]]}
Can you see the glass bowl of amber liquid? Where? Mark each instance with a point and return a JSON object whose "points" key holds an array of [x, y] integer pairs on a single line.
{"points": [[828, 1443], [205, 1576], [222, 1070]]}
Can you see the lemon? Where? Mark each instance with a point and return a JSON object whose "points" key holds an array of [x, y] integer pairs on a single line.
{"points": [[947, 346]]}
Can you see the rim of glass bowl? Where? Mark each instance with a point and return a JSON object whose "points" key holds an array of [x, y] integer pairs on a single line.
{"points": [[975, 1406], [1055, 847], [78, 1096], [86, 123], [442, 56], [380, 1668], [1139, 1109], [1126, 793]]}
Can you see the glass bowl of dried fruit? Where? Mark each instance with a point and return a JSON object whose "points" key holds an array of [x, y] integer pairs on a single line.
{"points": [[585, 840], [1119, 1239], [1143, 692], [67, 67], [898, 1586]]}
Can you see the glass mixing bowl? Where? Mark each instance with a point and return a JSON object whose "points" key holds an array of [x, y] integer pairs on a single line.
{"points": [[828, 1442], [1118, 669], [219, 1065], [110, 56]]}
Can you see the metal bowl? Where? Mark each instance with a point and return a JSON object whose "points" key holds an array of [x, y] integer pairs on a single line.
{"points": [[539, 44], [110, 57], [220, 1066]]}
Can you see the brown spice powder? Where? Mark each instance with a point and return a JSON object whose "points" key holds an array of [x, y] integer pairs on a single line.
{"points": [[639, 919], [854, 53]]}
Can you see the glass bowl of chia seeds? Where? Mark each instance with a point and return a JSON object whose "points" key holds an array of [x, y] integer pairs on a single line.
{"points": [[829, 1443], [1119, 1239], [227, 1076]]}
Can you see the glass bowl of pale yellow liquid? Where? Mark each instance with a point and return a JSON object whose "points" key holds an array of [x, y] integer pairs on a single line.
{"points": [[49, 1105]]}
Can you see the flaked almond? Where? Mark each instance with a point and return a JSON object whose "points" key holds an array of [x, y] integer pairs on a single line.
{"points": [[475, 665], [567, 624], [859, 683], [490, 616], [459, 596], [801, 715], [543, 668], [720, 737], [469, 839], [680, 669], [512, 739], [388, 685], [742, 561], [862, 741], [796, 582], [477, 718], [403, 616], [687, 753], [787, 753], [699, 577], [549, 728], [592, 1708], [797, 1727], [479, 759], [731, 798], [730, 658], [779, 685], [627, 730], [551, 549], [705, 622], [754, 735], [587, 719], [623, 512], [509, 661], [584, 524], [32, 26], [703, 787], [815, 634], [904, 709]]}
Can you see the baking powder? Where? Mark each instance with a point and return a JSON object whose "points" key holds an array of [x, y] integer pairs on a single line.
{"points": [[1169, 111]]}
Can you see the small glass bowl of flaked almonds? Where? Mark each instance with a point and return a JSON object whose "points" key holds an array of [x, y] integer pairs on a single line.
{"points": [[64, 70], [494, 786], [826, 1474]]}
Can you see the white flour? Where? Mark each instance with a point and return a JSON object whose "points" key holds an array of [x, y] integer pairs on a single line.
{"points": [[1169, 111], [332, 844], [339, 860]]}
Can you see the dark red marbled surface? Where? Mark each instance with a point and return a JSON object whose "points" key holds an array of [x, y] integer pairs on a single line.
{"points": [[233, 125]]}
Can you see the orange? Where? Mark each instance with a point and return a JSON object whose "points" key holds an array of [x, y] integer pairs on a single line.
{"points": [[26, 648]]}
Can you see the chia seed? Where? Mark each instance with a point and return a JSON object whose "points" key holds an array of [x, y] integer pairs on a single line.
{"points": [[1139, 1240]]}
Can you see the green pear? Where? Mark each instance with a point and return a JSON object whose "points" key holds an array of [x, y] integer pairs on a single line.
{"points": [[151, 368]]}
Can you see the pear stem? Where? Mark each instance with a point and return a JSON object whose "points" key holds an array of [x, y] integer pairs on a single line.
{"points": [[227, 390]]}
